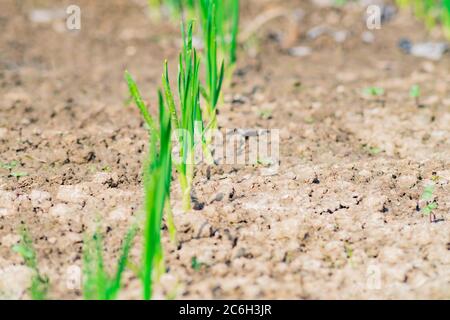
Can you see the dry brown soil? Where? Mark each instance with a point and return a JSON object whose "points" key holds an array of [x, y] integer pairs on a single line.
{"points": [[341, 218]]}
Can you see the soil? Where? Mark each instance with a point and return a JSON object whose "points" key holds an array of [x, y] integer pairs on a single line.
{"points": [[342, 217]]}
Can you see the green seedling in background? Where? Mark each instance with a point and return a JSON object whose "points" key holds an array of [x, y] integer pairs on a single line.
{"points": [[414, 93], [97, 283], [265, 114], [214, 75], [431, 205], [374, 91], [309, 120], [39, 283], [10, 166], [371, 149], [195, 264], [349, 252]]}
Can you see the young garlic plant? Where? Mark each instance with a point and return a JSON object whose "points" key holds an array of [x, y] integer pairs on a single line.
{"points": [[157, 177], [187, 117], [214, 74]]}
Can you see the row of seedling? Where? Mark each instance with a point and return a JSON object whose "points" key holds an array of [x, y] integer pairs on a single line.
{"points": [[186, 115], [182, 112], [188, 112]]}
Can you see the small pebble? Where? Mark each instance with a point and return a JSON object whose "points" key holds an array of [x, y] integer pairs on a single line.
{"points": [[405, 45], [368, 37], [429, 50], [340, 36], [300, 51], [316, 32]]}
